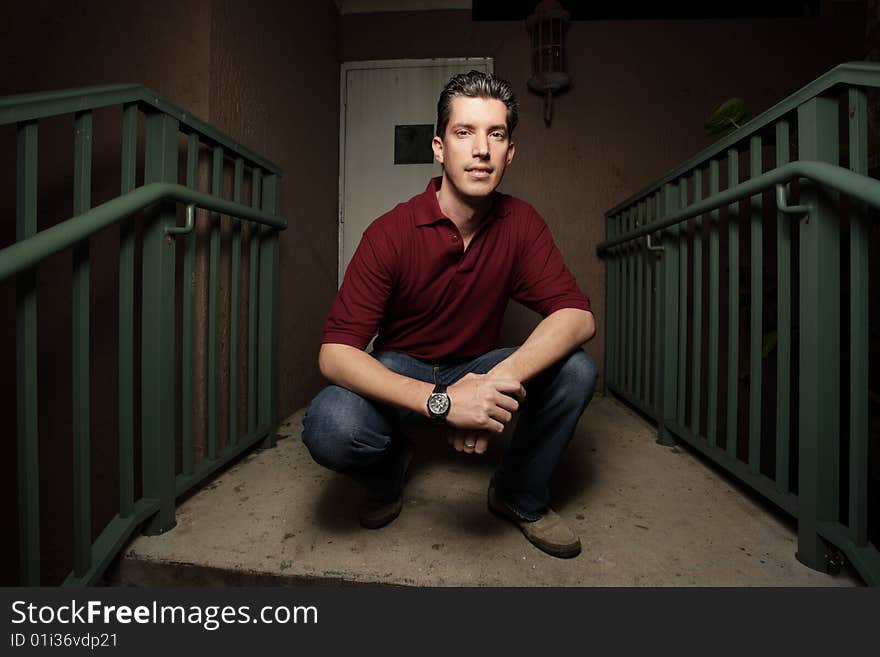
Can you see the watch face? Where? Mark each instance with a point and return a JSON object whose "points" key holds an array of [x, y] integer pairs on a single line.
{"points": [[438, 403]]}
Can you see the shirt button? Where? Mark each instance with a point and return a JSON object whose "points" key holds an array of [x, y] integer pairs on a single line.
{"points": [[455, 238]]}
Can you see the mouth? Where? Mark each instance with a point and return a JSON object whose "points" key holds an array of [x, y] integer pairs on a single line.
{"points": [[478, 172]]}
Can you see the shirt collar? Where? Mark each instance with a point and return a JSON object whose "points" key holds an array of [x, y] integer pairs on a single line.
{"points": [[427, 210]]}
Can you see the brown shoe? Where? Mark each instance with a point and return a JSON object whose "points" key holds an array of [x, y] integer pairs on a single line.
{"points": [[548, 533], [375, 512]]}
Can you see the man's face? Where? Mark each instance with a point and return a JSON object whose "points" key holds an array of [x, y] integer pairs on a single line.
{"points": [[475, 149]]}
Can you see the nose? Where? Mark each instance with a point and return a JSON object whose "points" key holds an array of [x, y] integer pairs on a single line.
{"points": [[481, 146]]}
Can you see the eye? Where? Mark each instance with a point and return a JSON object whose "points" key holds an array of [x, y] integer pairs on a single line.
{"points": [[461, 132], [498, 134]]}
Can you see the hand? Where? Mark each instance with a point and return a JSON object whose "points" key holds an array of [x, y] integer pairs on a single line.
{"points": [[469, 442], [481, 402]]}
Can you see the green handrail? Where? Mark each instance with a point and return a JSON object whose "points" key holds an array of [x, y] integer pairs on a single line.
{"points": [[805, 331], [843, 180], [29, 252], [33, 107], [862, 74], [153, 511]]}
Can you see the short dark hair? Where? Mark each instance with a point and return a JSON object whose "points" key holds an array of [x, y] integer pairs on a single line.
{"points": [[476, 84]]}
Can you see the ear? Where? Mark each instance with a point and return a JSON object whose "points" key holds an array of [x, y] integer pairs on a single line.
{"points": [[437, 145], [511, 150]]}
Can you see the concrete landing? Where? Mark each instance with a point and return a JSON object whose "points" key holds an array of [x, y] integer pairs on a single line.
{"points": [[647, 516]]}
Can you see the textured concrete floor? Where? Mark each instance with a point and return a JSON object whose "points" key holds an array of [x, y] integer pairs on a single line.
{"points": [[647, 516]]}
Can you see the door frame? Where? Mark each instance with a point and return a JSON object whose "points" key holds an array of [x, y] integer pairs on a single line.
{"points": [[345, 67]]}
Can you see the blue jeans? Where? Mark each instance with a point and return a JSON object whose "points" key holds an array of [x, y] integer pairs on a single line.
{"points": [[364, 439]]}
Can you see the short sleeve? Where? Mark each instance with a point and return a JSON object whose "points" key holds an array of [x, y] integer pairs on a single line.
{"points": [[542, 282], [360, 302]]}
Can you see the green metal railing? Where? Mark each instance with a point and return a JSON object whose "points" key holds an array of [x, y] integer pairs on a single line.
{"points": [[671, 354], [157, 198]]}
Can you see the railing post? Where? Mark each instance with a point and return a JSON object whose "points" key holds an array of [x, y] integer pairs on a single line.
{"points": [[819, 350], [82, 466], [157, 350], [859, 313], [669, 323], [268, 319], [26, 362]]}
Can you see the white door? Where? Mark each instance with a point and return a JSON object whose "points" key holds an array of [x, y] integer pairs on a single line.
{"points": [[387, 120]]}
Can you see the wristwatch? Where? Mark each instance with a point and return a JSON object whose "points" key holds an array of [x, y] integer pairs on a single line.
{"points": [[438, 404]]}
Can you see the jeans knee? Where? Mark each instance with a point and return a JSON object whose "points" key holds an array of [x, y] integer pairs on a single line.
{"points": [[325, 431], [342, 430], [578, 374]]}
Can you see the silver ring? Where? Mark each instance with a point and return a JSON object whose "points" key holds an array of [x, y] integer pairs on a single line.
{"points": [[467, 444]]}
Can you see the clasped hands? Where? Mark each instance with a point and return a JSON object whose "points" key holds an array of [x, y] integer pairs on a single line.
{"points": [[481, 405]]}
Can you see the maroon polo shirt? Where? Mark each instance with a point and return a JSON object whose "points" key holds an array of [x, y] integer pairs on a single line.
{"points": [[411, 282]]}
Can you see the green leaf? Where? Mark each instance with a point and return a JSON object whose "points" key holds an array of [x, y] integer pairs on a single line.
{"points": [[729, 116]]}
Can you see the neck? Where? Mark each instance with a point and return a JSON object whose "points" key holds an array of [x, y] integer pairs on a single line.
{"points": [[464, 211]]}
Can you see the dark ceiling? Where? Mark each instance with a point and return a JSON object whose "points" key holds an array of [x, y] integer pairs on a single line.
{"points": [[511, 10]]}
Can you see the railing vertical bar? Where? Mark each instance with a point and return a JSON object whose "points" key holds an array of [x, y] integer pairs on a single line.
{"points": [[235, 305], [619, 318], [611, 304], [26, 361], [859, 314], [756, 312], [621, 306], [268, 322], [714, 303], [732, 305], [650, 325], [126, 316], [253, 280], [214, 302], [82, 201], [157, 351], [670, 321], [639, 387], [623, 226], [819, 348], [783, 323], [696, 382], [681, 230], [188, 319], [631, 304], [659, 277], [610, 300]]}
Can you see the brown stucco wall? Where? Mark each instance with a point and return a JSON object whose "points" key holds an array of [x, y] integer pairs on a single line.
{"points": [[275, 87], [641, 91]]}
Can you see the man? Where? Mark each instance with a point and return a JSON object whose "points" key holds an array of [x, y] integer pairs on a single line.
{"points": [[431, 279]]}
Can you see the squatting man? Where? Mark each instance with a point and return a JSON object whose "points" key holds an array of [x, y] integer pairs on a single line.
{"points": [[431, 280]]}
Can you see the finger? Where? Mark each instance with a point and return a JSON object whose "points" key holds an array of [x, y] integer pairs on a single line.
{"points": [[507, 402], [482, 445], [507, 385], [470, 441], [501, 415], [458, 443], [511, 387], [493, 425]]}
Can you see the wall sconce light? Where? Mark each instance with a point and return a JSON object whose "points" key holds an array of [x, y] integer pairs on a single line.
{"points": [[547, 26]]}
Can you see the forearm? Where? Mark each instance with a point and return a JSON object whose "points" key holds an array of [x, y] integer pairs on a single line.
{"points": [[553, 338], [356, 370]]}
